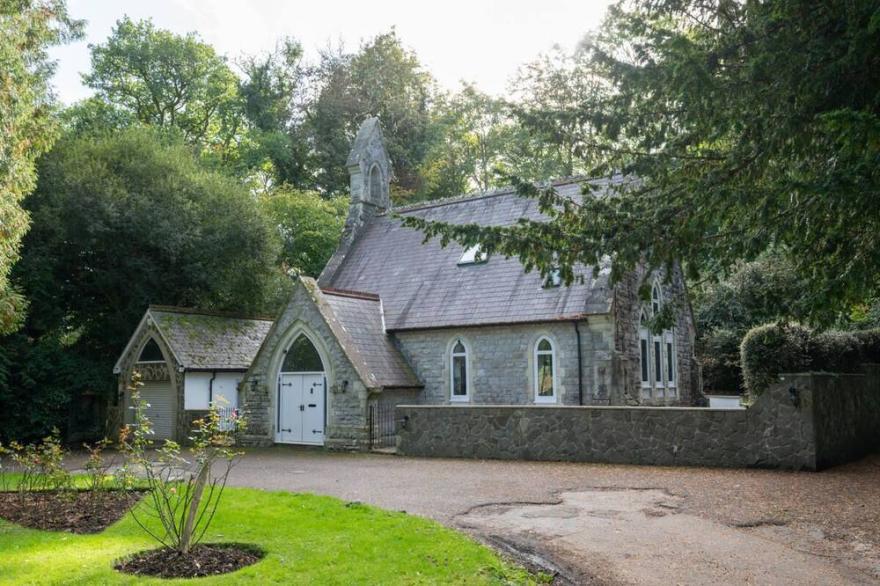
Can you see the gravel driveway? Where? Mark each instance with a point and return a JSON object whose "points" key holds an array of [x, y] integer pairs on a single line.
{"points": [[611, 524]]}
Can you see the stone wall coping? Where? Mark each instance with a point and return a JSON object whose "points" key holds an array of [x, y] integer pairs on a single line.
{"points": [[574, 407]]}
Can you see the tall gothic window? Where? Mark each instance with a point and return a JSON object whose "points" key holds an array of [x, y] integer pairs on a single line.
{"points": [[644, 352], [375, 183], [458, 372], [302, 356], [545, 372]]}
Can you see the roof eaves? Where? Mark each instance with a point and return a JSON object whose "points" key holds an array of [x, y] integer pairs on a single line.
{"points": [[561, 318]]}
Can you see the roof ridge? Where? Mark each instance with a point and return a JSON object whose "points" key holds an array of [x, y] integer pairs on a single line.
{"points": [[506, 190], [208, 312], [350, 293]]}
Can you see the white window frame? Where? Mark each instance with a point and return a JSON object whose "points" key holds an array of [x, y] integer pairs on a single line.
{"points": [[473, 255], [467, 372], [645, 364], [552, 353], [659, 380], [656, 299], [671, 360]]}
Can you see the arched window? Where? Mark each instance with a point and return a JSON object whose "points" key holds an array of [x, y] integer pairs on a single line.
{"points": [[656, 299], [458, 362], [545, 372], [302, 356], [644, 354], [151, 352], [375, 183]]}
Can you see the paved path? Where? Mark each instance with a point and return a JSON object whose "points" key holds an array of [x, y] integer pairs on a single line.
{"points": [[619, 524]]}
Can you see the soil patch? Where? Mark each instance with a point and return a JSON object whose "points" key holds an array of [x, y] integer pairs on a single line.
{"points": [[73, 511], [206, 559]]}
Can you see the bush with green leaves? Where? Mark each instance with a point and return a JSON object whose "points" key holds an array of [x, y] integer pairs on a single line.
{"points": [[184, 489], [40, 466], [772, 349]]}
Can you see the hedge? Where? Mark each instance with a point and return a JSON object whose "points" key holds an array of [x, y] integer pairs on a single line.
{"points": [[769, 350]]}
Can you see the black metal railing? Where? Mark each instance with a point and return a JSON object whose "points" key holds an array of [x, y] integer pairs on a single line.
{"points": [[383, 432]]}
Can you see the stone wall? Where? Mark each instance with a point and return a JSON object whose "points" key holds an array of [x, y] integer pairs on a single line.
{"points": [[846, 408], [626, 310], [121, 412], [800, 430], [501, 361], [346, 394]]}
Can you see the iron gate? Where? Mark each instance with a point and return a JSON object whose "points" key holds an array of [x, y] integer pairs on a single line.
{"points": [[383, 433]]}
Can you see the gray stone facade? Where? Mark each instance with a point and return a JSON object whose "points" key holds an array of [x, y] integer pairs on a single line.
{"points": [[808, 421], [501, 361], [626, 310], [346, 401]]}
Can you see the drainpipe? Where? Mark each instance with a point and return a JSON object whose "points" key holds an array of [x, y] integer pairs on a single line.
{"points": [[577, 332], [211, 387]]}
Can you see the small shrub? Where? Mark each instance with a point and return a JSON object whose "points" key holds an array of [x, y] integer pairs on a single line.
{"points": [[183, 494], [835, 351], [40, 465], [869, 345], [98, 466], [771, 349], [719, 358]]}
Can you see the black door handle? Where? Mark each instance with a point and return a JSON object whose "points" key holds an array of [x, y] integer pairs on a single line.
{"points": [[312, 405]]}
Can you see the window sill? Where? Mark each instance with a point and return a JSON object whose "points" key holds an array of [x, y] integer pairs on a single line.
{"points": [[545, 400], [464, 399]]}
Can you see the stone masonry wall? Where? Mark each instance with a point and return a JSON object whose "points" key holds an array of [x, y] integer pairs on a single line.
{"points": [[626, 311], [346, 394], [776, 431], [501, 361], [121, 413]]}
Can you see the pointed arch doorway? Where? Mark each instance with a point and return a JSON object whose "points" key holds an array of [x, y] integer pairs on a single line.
{"points": [[302, 395]]}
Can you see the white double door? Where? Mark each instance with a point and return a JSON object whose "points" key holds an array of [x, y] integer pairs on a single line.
{"points": [[301, 408]]}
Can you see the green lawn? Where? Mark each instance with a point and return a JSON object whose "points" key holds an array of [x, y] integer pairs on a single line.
{"points": [[308, 539]]}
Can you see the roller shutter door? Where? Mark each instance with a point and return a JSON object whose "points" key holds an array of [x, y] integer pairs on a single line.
{"points": [[162, 410]]}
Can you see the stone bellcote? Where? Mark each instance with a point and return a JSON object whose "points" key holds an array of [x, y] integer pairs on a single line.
{"points": [[369, 169]]}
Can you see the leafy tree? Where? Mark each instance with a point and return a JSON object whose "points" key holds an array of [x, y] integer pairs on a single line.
{"points": [[746, 124], [309, 227], [556, 99], [471, 134], [382, 79], [27, 29], [121, 221], [273, 92], [169, 80]]}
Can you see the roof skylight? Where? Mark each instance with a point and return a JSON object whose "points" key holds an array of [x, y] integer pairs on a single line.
{"points": [[473, 255]]}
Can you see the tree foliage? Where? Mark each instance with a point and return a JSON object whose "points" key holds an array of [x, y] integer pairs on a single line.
{"points": [[27, 29], [309, 227], [119, 222], [168, 80], [734, 126], [382, 79]]}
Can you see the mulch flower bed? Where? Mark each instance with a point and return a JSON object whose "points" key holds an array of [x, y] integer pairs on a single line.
{"points": [[73, 511], [206, 559]]}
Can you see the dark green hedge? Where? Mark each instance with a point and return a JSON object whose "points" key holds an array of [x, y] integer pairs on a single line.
{"points": [[771, 349]]}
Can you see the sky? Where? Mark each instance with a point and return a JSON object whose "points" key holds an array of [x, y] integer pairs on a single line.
{"points": [[479, 41]]}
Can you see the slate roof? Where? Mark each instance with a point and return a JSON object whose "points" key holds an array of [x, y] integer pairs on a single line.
{"points": [[422, 286], [210, 341], [365, 342]]}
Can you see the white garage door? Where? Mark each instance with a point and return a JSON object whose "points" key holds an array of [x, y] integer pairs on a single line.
{"points": [[163, 408]]}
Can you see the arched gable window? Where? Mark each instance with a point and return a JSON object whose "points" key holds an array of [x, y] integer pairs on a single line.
{"points": [[458, 372], [151, 352], [302, 356], [545, 372], [375, 182], [656, 299]]}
